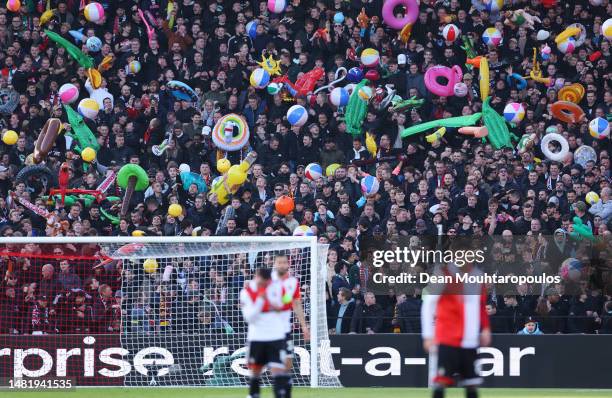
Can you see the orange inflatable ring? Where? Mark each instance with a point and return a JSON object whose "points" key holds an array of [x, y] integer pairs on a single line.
{"points": [[567, 112]]}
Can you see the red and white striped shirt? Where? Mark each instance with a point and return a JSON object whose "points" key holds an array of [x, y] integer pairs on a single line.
{"points": [[453, 314]]}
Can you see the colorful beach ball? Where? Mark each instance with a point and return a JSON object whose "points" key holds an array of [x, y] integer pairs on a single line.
{"points": [[133, 67], [88, 108], [451, 32], [13, 5], [259, 78], [514, 112], [251, 29], [460, 89], [365, 93], [354, 75], [492, 37], [94, 12], [571, 268], [369, 185], [599, 128], [567, 46], [68, 93], [493, 6], [606, 29], [276, 6], [313, 171], [94, 44], [339, 96], [274, 88], [297, 115], [370, 57], [592, 198], [303, 230]]}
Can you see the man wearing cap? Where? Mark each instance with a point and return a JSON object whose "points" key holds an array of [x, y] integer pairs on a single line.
{"points": [[531, 327]]}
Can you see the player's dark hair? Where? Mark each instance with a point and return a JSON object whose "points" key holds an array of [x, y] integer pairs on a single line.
{"points": [[264, 273]]}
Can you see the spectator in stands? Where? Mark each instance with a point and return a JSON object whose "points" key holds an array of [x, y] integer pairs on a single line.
{"points": [[342, 313], [499, 323], [531, 327], [368, 316], [104, 309], [606, 319], [49, 286], [340, 279], [68, 279]]}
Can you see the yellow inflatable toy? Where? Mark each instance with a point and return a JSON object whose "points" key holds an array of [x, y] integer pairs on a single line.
{"points": [[228, 184], [484, 78]]}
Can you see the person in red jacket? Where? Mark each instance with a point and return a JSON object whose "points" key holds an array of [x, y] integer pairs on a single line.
{"points": [[454, 324]]}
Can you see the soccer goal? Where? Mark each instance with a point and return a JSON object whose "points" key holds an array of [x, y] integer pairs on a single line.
{"points": [[153, 311]]}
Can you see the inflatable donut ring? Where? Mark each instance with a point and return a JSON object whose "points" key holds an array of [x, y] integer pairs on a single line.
{"points": [[231, 133], [453, 75], [46, 139], [516, 80], [559, 156], [410, 17], [567, 112], [572, 93]]}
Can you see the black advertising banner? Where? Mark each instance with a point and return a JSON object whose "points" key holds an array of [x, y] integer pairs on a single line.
{"points": [[550, 361], [385, 360]]}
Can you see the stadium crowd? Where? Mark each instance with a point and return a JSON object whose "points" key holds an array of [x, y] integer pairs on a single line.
{"points": [[455, 185]]}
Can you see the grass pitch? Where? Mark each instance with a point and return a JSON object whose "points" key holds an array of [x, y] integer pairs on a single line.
{"points": [[305, 393]]}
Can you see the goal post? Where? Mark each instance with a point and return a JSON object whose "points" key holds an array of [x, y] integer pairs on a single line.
{"points": [[176, 305]]}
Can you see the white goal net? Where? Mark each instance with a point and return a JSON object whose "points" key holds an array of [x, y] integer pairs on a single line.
{"points": [[184, 296]]}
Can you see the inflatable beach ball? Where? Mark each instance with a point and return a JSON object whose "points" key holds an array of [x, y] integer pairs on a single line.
{"points": [[68, 93], [313, 171], [297, 115], [133, 67], [592, 198], [274, 88], [570, 269], [276, 6], [492, 37], [150, 265], [88, 108], [10, 137], [251, 29], [94, 44], [303, 230], [493, 6], [365, 93], [13, 5], [514, 112], [354, 75], [339, 96], [260, 78], [451, 32], [606, 29], [370, 57], [460, 89], [94, 12], [338, 17], [567, 46], [369, 185], [599, 128]]}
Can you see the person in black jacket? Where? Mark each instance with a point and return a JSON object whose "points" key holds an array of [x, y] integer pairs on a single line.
{"points": [[606, 319], [499, 323], [368, 317], [342, 313], [408, 313]]}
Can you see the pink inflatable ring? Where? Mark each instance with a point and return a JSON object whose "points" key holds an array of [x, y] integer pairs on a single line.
{"points": [[410, 17], [453, 76]]}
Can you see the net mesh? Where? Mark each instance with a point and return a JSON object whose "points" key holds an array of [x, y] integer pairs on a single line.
{"points": [[172, 311]]}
